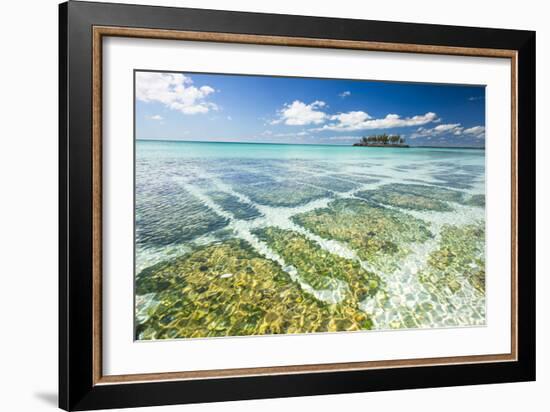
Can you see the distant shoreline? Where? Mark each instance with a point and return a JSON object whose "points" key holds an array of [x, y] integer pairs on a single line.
{"points": [[301, 144]]}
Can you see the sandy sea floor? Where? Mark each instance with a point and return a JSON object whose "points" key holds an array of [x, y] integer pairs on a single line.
{"points": [[250, 239]]}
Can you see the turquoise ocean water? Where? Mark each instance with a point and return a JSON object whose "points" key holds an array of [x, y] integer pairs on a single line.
{"points": [[190, 194]]}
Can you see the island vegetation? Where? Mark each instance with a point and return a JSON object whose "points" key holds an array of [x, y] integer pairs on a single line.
{"points": [[382, 140]]}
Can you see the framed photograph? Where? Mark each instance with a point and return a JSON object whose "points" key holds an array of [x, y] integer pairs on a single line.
{"points": [[257, 205]]}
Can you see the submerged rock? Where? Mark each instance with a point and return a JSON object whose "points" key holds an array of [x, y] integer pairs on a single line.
{"points": [[318, 267], [476, 200], [286, 193], [413, 196], [259, 298], [377, 234], [460, 258]]}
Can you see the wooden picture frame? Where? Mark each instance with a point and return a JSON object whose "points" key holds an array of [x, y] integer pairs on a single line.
{"points": [[83, 26]]}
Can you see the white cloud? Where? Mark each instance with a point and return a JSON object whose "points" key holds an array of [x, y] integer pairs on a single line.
{"points": [[476, 131], [455, 129], [156, 117], [299, 114], [440, 129], [345, 94], [445, 128], [175, 91], [359, 120], [349, 120]]}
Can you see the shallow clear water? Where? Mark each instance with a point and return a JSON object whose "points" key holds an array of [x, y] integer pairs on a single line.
{"points": [[410, 218]]}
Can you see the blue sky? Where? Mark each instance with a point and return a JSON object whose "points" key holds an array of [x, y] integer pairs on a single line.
{"points": [[264, 109]]}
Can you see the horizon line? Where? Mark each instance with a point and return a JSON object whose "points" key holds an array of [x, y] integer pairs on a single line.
{"points": [[298, 144]]}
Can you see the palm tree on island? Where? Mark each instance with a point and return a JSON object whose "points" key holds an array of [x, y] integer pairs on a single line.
{"points": [[382, 140]]}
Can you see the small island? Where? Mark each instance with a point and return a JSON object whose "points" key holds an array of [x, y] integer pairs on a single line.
{"points": [[382, 140]]}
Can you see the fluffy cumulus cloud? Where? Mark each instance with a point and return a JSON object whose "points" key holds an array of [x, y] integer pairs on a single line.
{"points": [[359, 120], [345, 94], [175, 91], [451, 129], [298, 113]]}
